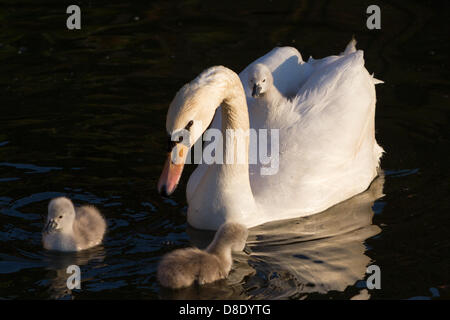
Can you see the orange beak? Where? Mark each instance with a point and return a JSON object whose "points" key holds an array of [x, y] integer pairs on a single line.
{"points": [[173, 168]]}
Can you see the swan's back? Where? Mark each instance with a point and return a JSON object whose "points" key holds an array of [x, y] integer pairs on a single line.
{"points": [[89, 227]]}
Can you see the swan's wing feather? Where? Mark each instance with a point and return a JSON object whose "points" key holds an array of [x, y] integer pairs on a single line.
{"points": [[337, 107], [350, 48], [335, 103]]}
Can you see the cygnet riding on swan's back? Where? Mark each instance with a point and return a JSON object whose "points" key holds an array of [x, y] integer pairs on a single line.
{"points": [[269, 108], [181, 268], [327, 147], [261, 81], [70, 229], [267, 100]]}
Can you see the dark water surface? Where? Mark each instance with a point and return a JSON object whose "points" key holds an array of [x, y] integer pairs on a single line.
{"points": [[82, 114]]}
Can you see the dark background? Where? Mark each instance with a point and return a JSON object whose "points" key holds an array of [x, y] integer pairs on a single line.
{"points": [[82, 114]]}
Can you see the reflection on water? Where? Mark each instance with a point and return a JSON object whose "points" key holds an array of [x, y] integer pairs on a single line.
{"points": [[57, 263], [294, 258], [322, 253]]}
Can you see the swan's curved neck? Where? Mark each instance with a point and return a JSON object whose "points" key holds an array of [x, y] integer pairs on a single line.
{"points": [[235, 128], [226, 186], [234, 108], [221, 250]]}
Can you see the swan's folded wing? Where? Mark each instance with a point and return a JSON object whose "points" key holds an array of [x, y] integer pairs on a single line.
{"points": [[333, 76], [337, 102]]}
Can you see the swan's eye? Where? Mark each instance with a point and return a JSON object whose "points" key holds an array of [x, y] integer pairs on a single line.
{"points": [[264, 80], [189, 125], [60, 217]]}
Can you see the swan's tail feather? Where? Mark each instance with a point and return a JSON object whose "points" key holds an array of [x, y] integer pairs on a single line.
{"points": [[351, 47], [375, 80]]}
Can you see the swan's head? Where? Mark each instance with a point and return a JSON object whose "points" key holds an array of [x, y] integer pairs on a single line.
{"points": [[61, 215], [189, 115], [260, 79], [231, 234]]}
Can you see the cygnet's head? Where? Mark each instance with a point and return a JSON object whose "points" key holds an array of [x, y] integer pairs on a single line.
{"points": [[260, 80], [232, 234], [61, 215]]}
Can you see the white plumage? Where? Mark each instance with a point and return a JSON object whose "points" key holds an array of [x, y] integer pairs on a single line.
{"points": [[328, 151]]}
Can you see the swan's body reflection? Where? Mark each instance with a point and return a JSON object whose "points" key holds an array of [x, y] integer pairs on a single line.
{"points": [[59, 261], [293, 258]]}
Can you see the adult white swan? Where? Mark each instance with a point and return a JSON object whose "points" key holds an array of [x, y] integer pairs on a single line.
{"points": [[328, 151]]}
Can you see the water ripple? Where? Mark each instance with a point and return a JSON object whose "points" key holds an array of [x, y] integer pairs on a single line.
{"points": [[32, 167]]}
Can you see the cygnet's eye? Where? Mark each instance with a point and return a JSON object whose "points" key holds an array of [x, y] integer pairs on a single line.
{"points": [[264, 80], [60, 217]]}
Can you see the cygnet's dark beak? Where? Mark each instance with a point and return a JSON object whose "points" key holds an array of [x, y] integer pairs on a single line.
{"points": [[256, 91], [247, 250], [50, 226]]}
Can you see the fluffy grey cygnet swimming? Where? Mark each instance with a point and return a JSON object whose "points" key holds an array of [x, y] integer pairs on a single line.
{"points": [[72, 229], [181, 268]]}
